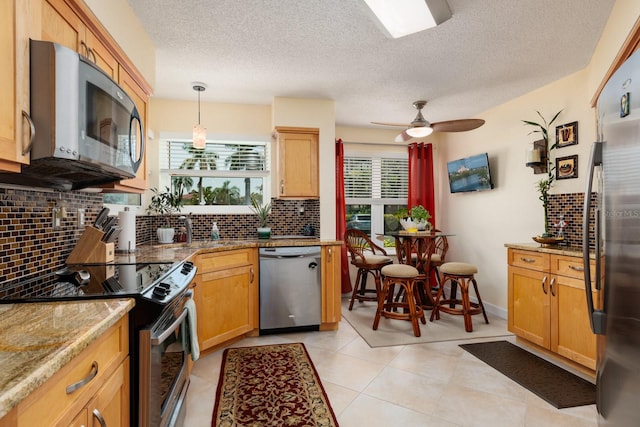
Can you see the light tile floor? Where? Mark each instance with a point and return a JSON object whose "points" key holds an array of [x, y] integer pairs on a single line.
{"points": [[434, 384]]}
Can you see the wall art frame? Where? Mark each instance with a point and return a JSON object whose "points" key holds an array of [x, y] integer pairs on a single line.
{"points": [[567, 134], [567, 167]]}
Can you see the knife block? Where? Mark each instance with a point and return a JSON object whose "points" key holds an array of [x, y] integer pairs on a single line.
{"points": [[91, 249]]}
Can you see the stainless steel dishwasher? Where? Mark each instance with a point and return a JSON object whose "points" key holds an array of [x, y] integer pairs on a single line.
{"points": [[290, 289]]}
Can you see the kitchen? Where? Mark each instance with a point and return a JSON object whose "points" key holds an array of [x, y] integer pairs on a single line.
{"points": [[499, 216]]}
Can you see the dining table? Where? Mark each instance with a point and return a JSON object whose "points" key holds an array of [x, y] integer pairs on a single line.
{"points": [[416, 249]]}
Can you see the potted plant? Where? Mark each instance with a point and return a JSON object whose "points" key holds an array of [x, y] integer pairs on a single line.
{"points": [[262, 212], [164, 203], [421, 217], [544, 185]]}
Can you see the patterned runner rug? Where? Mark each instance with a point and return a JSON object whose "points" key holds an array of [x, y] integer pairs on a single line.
{"points": [[271, 385]]}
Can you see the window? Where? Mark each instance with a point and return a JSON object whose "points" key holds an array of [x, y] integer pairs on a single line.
{"points": [[224, 174], [375, 189]]}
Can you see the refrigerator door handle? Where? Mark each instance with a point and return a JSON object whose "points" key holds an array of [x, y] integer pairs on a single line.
{"points": [[597, 318]]}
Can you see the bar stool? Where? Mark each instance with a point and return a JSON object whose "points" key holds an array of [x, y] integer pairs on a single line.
{"points": [[460, 274], [411, 306], [369, 258]]}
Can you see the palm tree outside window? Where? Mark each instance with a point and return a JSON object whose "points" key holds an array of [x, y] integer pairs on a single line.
{"points": [[224, 173]]}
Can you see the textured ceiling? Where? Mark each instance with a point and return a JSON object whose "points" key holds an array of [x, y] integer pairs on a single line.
{"points": [[249, 51]]}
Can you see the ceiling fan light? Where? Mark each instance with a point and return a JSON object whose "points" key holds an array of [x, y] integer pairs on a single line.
{"points": [[419, 131]]}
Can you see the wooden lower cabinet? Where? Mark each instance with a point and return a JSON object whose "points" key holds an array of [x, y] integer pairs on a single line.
{"points": [[331, 286], [226, 295], [547, 304], [105, 365]]}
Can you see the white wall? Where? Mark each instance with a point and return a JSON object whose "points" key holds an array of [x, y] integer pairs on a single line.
{"points": [[118, 18]]}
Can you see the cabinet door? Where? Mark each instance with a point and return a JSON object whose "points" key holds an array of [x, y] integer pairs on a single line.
{"points": [[298, 163], [101, 56], [331, 283], [111, 404], [15, 24], [571, 334], [226, 304], [61, 25], [529, 305]]}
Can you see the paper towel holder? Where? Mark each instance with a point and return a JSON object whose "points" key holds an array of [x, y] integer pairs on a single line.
{"points": [[125, 238]]}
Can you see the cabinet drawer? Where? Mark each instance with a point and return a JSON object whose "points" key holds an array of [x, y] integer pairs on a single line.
{"points": [[108, 352], [214, 261], [570, 266], [528, 259]]}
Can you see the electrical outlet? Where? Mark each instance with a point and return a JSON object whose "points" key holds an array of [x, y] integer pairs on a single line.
{"points": [[81, 218]]}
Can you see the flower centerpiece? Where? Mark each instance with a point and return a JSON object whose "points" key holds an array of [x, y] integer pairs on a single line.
{"points": [[164, 204], [262, 212], [544, 185], [419, 219]]}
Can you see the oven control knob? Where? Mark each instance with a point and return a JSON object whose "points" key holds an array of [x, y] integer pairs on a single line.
{"points": [[161, 290], [186, 267]]}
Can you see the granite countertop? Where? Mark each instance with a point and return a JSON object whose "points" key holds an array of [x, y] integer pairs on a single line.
{"points": [[38, 339], [172, 252], [550, 249]]}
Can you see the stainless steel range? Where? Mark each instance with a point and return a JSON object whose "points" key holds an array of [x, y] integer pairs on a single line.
{"points": [[158, 327]]}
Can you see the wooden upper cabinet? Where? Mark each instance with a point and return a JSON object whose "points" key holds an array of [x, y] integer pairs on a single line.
{"points": [[297, 163], [60, 24], [15, 130]]}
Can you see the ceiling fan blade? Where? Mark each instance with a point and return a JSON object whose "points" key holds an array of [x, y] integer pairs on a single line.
{"points": [[461, 125], [404, 125], [403, 137]]}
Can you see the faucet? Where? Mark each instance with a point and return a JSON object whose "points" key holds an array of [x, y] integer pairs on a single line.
{"points": [[189, 227]]}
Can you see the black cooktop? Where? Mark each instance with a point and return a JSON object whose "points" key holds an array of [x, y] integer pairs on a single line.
{"points": [[87, 281]]}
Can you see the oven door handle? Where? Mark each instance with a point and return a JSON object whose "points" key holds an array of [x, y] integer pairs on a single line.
{"points": [[164, 335]]}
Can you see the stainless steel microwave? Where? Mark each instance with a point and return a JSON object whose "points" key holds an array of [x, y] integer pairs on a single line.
{"points": [[87, 130]]}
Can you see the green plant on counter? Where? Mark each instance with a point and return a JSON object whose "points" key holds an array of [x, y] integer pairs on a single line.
{"points": [[545, 184], [164, 203], [261, 211]]}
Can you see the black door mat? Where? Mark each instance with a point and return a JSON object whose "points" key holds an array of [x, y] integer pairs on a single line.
{"points": [[557, 386]]}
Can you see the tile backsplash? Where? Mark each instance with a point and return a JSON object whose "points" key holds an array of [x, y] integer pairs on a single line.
{"points": [[30, 246]]}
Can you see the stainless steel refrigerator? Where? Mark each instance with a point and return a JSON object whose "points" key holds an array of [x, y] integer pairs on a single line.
{"points": [[614, 165]]}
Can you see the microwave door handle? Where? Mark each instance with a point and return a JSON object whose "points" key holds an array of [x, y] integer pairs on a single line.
{"points": [[136, 116], [596, 317]]}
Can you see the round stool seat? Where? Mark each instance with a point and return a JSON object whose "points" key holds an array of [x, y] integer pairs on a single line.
{"points": [[376, 259], [458, 268], [402, 271]]}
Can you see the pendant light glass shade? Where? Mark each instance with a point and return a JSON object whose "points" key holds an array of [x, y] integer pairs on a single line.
{"points": [[199, 132], [199, 136]]}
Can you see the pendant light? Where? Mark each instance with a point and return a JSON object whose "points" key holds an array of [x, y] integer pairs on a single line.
{"points": [[199, 132]]}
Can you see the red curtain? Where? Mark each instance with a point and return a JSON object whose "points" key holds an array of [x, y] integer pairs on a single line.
{"points": [[341, 217], [421, 178]]}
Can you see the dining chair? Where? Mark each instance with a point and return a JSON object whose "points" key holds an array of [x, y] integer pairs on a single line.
{"points": [[369, 258]]}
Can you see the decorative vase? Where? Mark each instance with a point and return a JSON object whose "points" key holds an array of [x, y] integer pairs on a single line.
{"points": [[165, 235], [264, 232]]}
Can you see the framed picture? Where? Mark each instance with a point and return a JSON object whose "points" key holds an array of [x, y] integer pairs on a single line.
{"points": [[567, 167], [567, 134]]}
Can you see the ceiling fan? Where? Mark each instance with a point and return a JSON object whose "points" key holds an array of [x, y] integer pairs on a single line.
{"points": [[420, 127]]}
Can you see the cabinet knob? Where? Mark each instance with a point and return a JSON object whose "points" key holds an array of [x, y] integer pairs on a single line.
{"points": [[252, 275], [576, 267], [544, 282], [553, 280], [98, 416], [527, 260]]}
